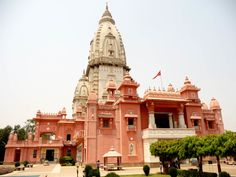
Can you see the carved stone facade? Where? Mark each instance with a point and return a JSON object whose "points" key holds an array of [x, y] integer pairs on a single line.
{"points": [[107, 58], [107, 112]]}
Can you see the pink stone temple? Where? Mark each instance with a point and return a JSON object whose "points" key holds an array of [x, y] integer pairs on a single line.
{"points": [[108, 112]]}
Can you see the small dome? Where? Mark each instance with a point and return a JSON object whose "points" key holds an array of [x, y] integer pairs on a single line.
{"points": [[170, 88], [111, 85], [63, 111], [214, 104], [81, 89], [187, 81], [11, 136], [38, 114], [204, 106], [92, 96], [127, 76]]}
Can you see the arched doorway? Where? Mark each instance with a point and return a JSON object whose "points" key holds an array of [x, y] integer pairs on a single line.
{"points": [[17, 155]]}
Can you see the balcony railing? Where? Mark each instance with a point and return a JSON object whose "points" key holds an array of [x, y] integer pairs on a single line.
{"points": [[69, 143], [51, 142], [131, 128], [167, 133]]}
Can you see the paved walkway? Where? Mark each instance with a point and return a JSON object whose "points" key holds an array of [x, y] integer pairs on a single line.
{"points": [[55, 170]]}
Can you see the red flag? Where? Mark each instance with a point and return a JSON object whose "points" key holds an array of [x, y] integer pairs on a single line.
{"points": [[158, 74]]}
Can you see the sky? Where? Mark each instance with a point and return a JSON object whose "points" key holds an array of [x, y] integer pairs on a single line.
{"points": [[44, 47]]}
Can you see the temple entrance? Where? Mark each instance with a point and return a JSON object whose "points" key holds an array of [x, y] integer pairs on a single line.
{"points": [[17, 155], [50, 154], [162, 120]]}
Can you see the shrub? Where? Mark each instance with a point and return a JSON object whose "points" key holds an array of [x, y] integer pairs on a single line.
{"points": [[208, 174], [17, 164], [26, 163], [112, 174], [96, 172], [90, 173], [66, 161], [146, 170], [194, 173], [224, 174], [62, 160], [87, 170], [172, 171], [185, 173]]}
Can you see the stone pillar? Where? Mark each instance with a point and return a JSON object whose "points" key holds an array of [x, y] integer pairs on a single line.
{"points": [[170, 120], [175, 123], [151, 120], [181, 120]]}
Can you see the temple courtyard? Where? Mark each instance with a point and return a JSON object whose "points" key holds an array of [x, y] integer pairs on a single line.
{"points": [[56, 170]]}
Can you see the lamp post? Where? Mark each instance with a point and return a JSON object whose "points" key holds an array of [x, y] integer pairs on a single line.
{"points": [[77, 170]]}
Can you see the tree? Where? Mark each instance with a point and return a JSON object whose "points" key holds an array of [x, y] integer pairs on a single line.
{"points": [[220, 146], [16, 128], [21, 134], [229, 144], [30, 125], [196, 147], [4, 134], [213, 147], [191, 147], [167, 150]]}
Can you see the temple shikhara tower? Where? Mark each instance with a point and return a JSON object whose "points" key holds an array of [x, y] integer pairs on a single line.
{"points": [[109, 113]]}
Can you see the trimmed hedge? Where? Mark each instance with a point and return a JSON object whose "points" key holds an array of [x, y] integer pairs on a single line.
{"points": [[96, 172], [17, 164], [194, 173], [26, 163], [224, 174], [146, 170], [112, 174], [89, 171], [172, 172], [67, 161]]}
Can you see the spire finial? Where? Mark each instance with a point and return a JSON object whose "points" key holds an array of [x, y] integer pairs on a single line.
{"points": [[106, 5]]}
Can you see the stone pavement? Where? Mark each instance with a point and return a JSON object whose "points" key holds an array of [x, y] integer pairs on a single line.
{"points": [[55, 170]]}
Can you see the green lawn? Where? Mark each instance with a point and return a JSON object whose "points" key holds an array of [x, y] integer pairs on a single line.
{"points": [[151, 175]]}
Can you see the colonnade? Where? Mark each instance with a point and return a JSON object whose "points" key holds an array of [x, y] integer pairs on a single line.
{"points": [[172, 123]]}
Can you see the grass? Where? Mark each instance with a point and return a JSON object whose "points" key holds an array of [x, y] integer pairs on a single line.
{"points": [[151, 175]]}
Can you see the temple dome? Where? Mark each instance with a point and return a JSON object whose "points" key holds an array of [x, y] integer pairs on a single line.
{"points": [[187, 81], [214, 104], [81, 93], [106, 47], [82, 88], [170, 88]]}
